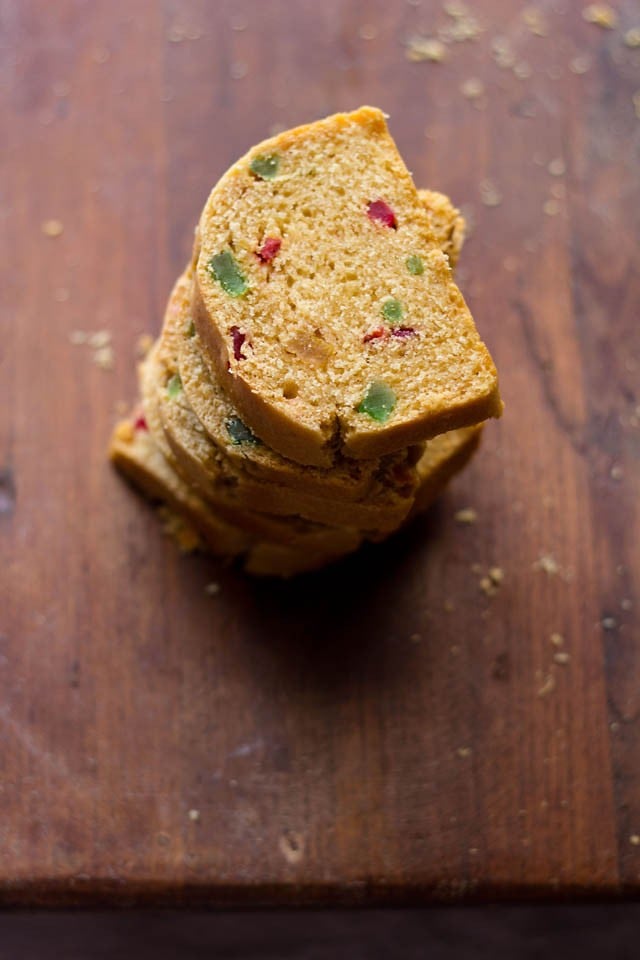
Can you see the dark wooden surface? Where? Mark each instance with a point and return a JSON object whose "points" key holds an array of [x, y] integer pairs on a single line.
{"points": [[383, 731]]}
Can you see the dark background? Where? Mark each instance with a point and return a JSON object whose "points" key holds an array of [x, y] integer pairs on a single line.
{"points": [[472, 933]]}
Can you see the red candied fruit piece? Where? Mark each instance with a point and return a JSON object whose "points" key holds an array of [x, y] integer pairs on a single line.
{"points": [[375, 334], [140, 422], [403, 333], [269, 249], [238, 338], [381, 211]]}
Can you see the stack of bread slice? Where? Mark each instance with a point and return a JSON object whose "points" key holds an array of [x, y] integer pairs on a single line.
{"points": [[318, 378]]}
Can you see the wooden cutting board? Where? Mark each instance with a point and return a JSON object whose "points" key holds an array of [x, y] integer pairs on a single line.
{"points": [[385, 731]]}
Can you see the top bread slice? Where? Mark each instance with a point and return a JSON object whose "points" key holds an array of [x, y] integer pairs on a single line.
{"points": [[324, 304], [348, 479]]}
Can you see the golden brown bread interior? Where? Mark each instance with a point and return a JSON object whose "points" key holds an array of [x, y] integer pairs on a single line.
{"points": [[348, 479], [294, 335]]}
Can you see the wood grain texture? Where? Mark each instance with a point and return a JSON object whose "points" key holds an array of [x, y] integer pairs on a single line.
{"points": [[379, 732]]}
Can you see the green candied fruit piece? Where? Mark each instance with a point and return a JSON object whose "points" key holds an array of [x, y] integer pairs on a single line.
{"points": [[392, 310], [379, 401], [239, 432], [415, 266], [174, 386], [265, 165], [226, 270]]}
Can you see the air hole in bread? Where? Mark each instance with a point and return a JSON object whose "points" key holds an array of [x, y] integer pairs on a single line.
{"points": [[290, 389]]}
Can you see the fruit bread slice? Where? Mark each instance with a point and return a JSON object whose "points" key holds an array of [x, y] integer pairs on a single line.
{"points": [[135, 453], [230, 488], [348, 479], [324, 304], [287, 531]]}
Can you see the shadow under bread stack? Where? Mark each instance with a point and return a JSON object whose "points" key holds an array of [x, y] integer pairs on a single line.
{"points": [[318, 378]]}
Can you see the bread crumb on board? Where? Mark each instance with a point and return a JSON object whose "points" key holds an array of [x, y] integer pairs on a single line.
{"points": [[425, 48], [490, 194], [601, 14], [52, 228], [580, 64], [534, 20], [472, 88], [291, 845], [178, 32], [99, 339], [466, 516], [490, 583], [548, 564], [557, 167], [551, 207], [548, 685], [463, 25], [104, 357], [561, 657], [99, 342], [503, 54]]}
